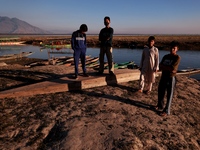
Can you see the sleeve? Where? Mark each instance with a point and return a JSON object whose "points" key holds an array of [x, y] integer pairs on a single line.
{"points": [[156, 67], [111, 33], [176, 63], [73, 40], [100, 35], [85, 42], [161, 66], [142, 60]]}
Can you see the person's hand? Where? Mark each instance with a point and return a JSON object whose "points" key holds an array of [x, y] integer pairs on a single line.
{"points": [[174, 71]]}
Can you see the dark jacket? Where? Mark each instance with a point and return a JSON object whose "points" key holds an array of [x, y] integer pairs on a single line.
{"points": [[169, 65], [78, 41], [106, 36]]}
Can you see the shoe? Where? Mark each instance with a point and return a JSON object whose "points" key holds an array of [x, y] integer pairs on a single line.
{"points": [[85, 75], [99, 73], [76, 77], [163, 114], [148, 92], [157, 108], [111, 73], [140, 91]]}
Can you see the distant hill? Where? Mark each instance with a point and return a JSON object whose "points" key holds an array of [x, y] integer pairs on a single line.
{"points": [[16, 26]]}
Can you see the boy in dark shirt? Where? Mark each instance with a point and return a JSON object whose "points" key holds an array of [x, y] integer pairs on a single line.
{"points": [[79, 45], [168, 66], [105, 38]]}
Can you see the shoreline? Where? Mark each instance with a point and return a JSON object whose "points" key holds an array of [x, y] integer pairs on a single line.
{"points": [[187, 42]]}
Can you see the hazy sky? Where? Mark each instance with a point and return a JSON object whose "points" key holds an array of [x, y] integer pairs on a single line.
{"points": [[127, 16]]}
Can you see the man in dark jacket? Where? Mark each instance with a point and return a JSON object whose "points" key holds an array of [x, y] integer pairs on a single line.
{"points": [[79, 45], [105, 37]]}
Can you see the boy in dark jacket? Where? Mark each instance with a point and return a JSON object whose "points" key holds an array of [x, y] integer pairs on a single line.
{"points": [[79, 45], [168, 66], [105, 38]]}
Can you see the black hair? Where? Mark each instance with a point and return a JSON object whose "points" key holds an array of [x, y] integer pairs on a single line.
{"points": [[151, 38], [174, 44], [84, 28], [106, 17]]}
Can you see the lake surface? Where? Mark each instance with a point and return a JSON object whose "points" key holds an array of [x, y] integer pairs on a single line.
{"points": [[189, 58]]}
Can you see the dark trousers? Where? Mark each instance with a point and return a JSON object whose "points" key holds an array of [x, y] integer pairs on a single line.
{"points": [[166, 84], [78, 54], [108, 52]]}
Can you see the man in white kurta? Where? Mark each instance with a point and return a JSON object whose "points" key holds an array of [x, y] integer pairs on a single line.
{"points": [[149, 65]]}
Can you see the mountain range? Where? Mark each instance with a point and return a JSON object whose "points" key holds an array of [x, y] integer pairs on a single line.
{"points": [[17, 26]]}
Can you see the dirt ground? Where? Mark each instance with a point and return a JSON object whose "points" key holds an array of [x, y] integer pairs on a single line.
{"points": [[114, 117]]}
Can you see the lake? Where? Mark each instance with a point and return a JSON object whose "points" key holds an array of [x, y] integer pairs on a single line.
{"points": [[189, 58]]}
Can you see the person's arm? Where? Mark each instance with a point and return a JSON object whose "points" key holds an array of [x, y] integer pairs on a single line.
{"points": [[172, 68], [73, 41], [156, 67], [110, 34], [85, 42], [175, 65], [100, 36], [141, 61], [165, 68]]}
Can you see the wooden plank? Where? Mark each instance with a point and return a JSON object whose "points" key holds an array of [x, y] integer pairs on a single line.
{"points": [[67, 84]]}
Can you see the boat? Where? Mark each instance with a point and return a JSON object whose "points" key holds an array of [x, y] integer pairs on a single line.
{"points": [[96, 67], [11, 41], [15, 56], [56, 46], [188, 71], [91, 61], [121, 65], [125, 65]]}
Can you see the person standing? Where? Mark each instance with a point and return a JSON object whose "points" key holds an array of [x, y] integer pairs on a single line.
{"points": [[149, 65], [105, 38], [79, 45], [169, 66]]}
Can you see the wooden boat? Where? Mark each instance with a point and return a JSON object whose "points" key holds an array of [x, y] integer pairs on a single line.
{"points": [[39, 63], [96, 67], [15, 56], [92, 60], [12, 43], [188, 72], [56, 46], [94, 64], [124, 65], [121, 65]]}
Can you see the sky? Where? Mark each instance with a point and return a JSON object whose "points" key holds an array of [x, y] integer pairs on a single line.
{"points": [[127, 16]]}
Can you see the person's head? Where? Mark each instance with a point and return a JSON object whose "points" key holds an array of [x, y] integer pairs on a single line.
{"points": [[174, 45], [83, 28], [107, 21], [151, 41]]}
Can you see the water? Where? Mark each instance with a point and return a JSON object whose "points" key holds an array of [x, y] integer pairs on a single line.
{"points": [[189, 58]]}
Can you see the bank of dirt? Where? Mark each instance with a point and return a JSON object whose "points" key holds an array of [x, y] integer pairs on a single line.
{"points": [[113, 117]]}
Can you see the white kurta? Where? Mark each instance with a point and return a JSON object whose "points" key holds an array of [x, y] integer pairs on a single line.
{"points": [[149, 63]]}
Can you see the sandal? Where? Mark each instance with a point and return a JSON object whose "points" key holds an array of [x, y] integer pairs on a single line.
{"points": [[163, 114], [157, 108], [148, 92]]}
